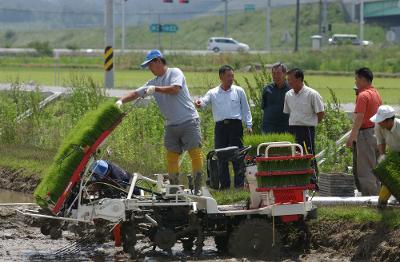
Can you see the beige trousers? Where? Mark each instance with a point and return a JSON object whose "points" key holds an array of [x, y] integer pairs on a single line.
{"points": [[367, 153]]}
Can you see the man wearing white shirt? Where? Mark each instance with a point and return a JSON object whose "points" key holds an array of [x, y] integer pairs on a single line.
{"points": [[229, 107], [306, 110]]}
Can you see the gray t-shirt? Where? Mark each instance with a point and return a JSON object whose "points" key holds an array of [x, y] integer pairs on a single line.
{"points": [[177, 108]]}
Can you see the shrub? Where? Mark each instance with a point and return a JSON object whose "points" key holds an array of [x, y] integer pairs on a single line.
{"points": [[42, 48]]}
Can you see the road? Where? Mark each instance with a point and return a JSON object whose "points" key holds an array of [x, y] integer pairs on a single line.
{"points": [[348, 107], [97, 52]]}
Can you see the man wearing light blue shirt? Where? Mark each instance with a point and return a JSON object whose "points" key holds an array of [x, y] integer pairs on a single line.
{"points": [[229, 107]]}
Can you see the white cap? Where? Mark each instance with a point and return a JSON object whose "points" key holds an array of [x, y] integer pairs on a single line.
{"points": [[383, 113]]}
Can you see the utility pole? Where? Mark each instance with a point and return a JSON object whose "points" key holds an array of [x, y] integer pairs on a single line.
{"points": [[325, 21], [159, 31], [361, 22], [268, 27], [320, 18], [123, 26], [353, 10], [109, 39], [296, 42], [226, 19]]}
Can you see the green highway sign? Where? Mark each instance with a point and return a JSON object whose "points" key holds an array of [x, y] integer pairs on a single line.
{"points": [[249, 7], [166, 28]]}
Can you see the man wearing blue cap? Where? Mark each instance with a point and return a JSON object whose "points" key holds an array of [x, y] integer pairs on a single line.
{"points": [[182, 124]]}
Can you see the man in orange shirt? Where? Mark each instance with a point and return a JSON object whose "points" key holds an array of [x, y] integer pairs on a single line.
{"points": [[367, 103]]}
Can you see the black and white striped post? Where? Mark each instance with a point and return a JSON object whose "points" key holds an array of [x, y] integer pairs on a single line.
{"points": [[108, 51]]}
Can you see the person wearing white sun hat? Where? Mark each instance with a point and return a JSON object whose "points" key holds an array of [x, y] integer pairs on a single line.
{"points": [[387, 132]]}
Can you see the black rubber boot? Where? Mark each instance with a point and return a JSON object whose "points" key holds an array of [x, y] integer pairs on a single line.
{"points": [[197, 182]]}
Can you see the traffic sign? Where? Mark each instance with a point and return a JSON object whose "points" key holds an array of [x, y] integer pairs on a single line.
{"points": [[249, 7], [166, 28]]}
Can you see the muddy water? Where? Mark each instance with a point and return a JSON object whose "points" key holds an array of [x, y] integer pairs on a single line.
{"points": [[8, 196]]}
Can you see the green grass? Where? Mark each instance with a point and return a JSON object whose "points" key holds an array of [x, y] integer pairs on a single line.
{"points": [[389, 217], [199, 82], [33, 160], [71, 152]]}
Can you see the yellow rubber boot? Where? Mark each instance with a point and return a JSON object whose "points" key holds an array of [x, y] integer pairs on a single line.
{"points": [[197, 164], [384, 195], [173, 167]]}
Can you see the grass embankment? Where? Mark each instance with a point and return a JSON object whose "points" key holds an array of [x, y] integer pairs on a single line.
{"points": [[247, 27], [200, 82], [33, 160], [389, 217]]}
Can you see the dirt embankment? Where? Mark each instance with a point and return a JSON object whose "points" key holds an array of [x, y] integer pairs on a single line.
{"points": [[17, 181], [359, 241]]}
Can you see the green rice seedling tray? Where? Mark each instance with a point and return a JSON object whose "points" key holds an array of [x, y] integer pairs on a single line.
{"points": [[299, 178], [71, 152], [255, 139], [388, 172], [284, 163]]}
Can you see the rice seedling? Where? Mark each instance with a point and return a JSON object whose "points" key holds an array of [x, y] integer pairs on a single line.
{"points": [[256, 139], [70, 153], [388, 172]]}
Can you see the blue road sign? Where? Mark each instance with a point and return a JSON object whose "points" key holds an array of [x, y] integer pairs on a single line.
{"points": [[166, 28]]}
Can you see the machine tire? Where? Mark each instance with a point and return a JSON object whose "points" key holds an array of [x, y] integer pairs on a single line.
{"points": [[216, 49], [55, 233], [188, 244], [253, 238], [129, 238], [45, 229], [221, 243]]}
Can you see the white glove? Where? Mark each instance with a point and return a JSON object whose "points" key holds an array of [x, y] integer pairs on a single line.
{"points": [[381, 158], [119, 103], [150, 90]]}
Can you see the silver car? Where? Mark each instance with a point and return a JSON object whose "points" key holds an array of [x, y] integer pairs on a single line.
{"points": [[218, 44]]}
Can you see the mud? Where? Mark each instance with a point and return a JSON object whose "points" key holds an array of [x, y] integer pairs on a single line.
{"points": [[21, 240], [15, 180], [360, 242]]}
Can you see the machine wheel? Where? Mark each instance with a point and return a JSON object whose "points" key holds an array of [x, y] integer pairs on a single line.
{"points": [[165, 238], [129, 238], [222, 243], [55, 233], [296, 236], [187, 244], [45, 229], [216, 49], [253, 238]]}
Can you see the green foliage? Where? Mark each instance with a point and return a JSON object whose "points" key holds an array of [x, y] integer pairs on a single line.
{"points": [[261, 78], [388, 172], [86, 95], [254, 140], [42, 48], [335, 124], [70, 153]]}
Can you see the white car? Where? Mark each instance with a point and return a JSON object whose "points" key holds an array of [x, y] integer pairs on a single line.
{"points": [[218, 44], [342, 39]]}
